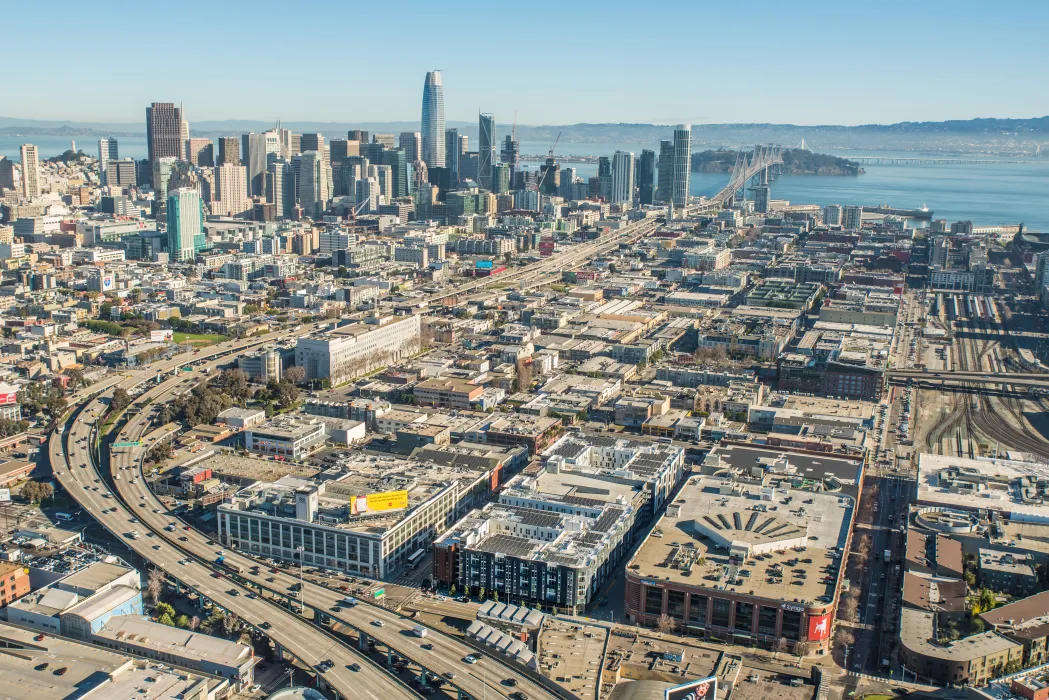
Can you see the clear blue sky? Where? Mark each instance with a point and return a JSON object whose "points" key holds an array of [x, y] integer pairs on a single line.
{"points": [[561, 62]]}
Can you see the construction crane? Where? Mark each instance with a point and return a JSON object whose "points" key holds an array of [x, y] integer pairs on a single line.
{"points": [[352, 216], [549, 161]]}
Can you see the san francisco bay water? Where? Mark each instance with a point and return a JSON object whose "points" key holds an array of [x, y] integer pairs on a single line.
{"points": [[987, 194]]}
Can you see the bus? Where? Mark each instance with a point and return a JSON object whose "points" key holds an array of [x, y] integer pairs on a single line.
{"points": [[65, 517], [413, 560]]}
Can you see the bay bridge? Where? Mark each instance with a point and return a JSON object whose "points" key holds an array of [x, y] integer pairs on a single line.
{"points": [[761, 165]]}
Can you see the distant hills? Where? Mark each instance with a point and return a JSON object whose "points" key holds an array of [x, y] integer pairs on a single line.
{"points": [[979, 134]]}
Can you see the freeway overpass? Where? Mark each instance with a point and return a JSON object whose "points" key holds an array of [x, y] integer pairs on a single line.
{"points": [[1015, 379], [251, 595]]}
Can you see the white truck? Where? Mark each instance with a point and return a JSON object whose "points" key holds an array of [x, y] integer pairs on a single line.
{"points": [[887, 555], [419, 631]]}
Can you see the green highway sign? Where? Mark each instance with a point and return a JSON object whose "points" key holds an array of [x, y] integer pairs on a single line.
{"points": [[136, 443], [379, 593]]}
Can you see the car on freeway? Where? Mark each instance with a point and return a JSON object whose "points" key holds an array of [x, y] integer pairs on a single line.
{"points": [[470, 659], [378, 623]]}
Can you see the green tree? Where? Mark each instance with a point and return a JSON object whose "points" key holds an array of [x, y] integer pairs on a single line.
{"points": [[295, 374], [165, 619], [76, 377], [182, 621], [12, 427], [37, 491], [121, 399], [451, 590]]}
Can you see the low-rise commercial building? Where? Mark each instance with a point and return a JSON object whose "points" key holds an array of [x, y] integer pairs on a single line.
{"points": [[290, 437], [366, 515], [185, 648], [724, 565]]}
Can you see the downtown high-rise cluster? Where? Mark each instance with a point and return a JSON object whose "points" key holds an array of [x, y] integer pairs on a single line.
{"points": [[433, 174]]}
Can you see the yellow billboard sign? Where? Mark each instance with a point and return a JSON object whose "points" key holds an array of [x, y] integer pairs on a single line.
{"points": [[388, 500]]}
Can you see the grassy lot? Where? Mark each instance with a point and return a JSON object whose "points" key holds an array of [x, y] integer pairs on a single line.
{"points": [[199, 340]]}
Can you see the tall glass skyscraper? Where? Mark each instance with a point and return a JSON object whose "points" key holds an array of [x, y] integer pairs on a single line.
{"points": [[185, 223], [682, 163], [485, 149], [433, 120], [163, 131], [646, 177], [107, 151]]}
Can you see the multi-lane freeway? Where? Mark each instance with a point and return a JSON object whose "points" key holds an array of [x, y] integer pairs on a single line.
{"points": [[71, 461], [112, 489], [189, 556]]}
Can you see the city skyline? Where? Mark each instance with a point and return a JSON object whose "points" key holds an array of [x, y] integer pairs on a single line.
{"points": [[916, 66]]}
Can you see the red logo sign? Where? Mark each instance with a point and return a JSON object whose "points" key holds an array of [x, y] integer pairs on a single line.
{"points": [[819, 627]]}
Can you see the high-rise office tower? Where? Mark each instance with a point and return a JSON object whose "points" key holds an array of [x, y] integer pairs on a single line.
{"points": [[761, 198], [285, 138], [229, 151], [254, 150], [433, 120], [549, 177], [682, 164], [107, 151], [314, 183], [372, 151], [230, 195], [341, 149], [163, 131], [346, 174], [387, 140], [312, 142], [367, 193], [398, 162], [568, 176], [384, 174], [665, 190], [646, 177], [511, 155], [359, 135], [500, 178], [280, 187], [485, 149], [200, 152], [120, 173], [183, 131], [622, 177], [603, 180], [7, 173], [185, 223], [412, 143], [30, 171], [160, 175], [453, 153]]}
